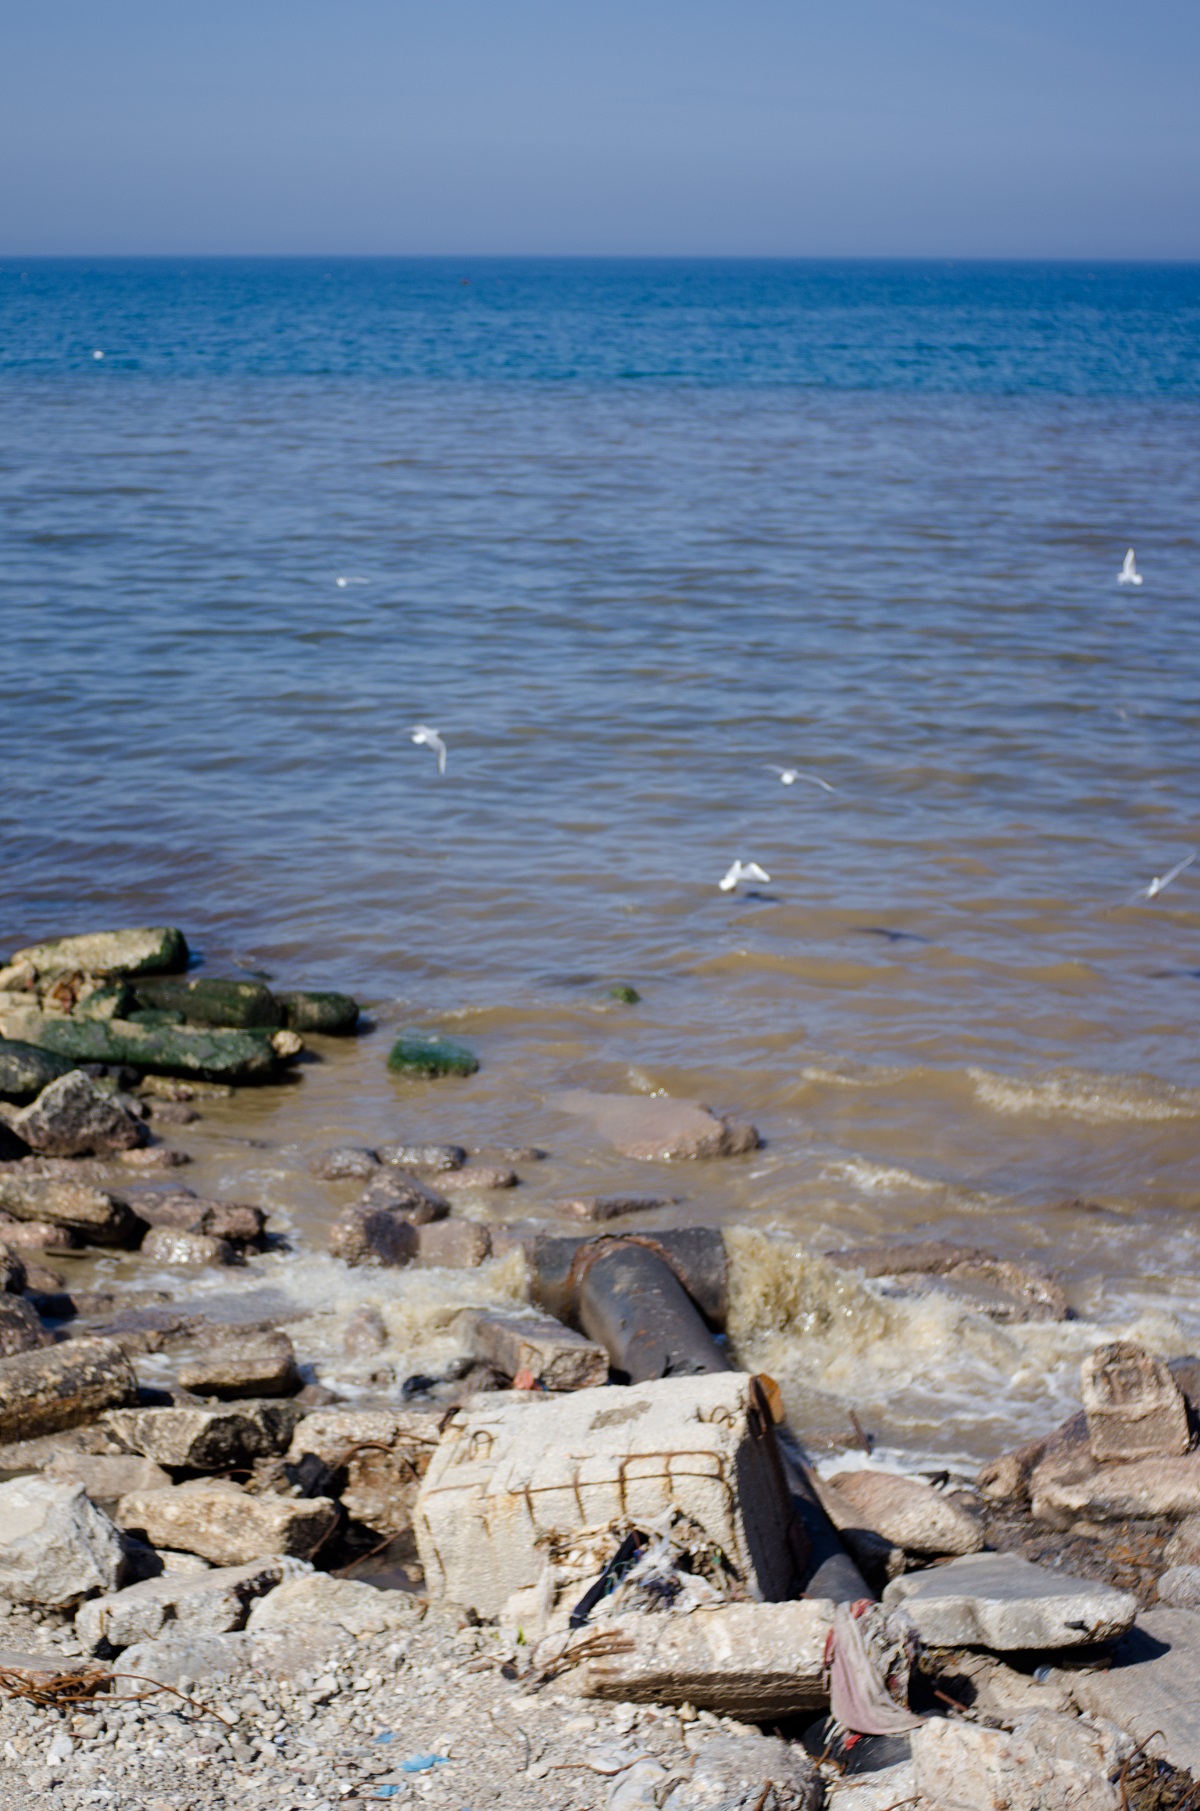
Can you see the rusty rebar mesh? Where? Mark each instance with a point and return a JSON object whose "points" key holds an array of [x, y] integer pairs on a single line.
{"points": [[55, 1690]]}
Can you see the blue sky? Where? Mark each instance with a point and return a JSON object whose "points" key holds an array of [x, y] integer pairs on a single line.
{"points": [[1035, 128]]}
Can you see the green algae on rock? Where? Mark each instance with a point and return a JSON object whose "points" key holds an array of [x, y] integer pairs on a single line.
{"points": [[161, 949], [25, 1070], [336, 1015], [419, 1054], [210, 1000], [628, 996], [218, 1055]]}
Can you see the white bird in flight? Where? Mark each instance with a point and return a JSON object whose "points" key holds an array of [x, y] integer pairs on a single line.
{"points": [[341, 583], [789, 775], [1129, 574], [742, 870], [1162, 881], [429, 738]]}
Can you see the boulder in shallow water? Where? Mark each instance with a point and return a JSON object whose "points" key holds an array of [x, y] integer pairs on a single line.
{"points": [[392, 1188], [453, 1244], [438, 1158], [374, 1236], [55, 1545], [654, 1128], [342, 1163], [162, 950], [430, 1057], [223, 1056], [25, 1070], [170, 1245], [71, 1117], [331, 1014], [210, 1000], [261, 1364]]}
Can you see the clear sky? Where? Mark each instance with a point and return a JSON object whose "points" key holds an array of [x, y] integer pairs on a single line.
{"points": [[968, 128]]}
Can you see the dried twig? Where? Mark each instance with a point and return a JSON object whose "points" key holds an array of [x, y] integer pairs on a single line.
{"points": [[56, 1691]]}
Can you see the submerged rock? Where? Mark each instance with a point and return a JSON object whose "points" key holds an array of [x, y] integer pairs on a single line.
{"points": [[55, 1545], [430, 1057], [138, 952], [25, 1070], [331, 1014], [653, 1128], [342, 1162], [71, 1117], [436, 1157], [481, 1176]]}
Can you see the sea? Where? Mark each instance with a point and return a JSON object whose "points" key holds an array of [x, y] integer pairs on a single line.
{"points": [[631, 536]]}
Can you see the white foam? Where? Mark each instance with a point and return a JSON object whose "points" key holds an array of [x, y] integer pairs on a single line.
{"points": [[1077, 1094]]}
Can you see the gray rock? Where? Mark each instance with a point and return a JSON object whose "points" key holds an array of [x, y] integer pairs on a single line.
{"points": [[184, 1211], [226, 1525], [343, 1161], [478, 1177], [654, 1128], [750, 1660], [1153, 1685], [1183, 1548], [201, 1439], [263, 1365], [364, 1333], [91, 1213], [61, 1386], [72, 1118], [186, 1661], [168, 1245], [1134, 1408], [37, 1235], [598, 1208], [439, 1158], [211, 1602], [402, 1193], [106, 1476], [373, 1236], [555, 1356], [995, 1286], [997, 1600], [25, 1070], [316, 1597], [1179, 1588], [55, 1545], [141, 952], [453, 1244], [1068, 1484], [904, 1511]]}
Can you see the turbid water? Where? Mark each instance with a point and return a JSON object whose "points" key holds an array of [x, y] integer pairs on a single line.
{"points": [[626, 534]]}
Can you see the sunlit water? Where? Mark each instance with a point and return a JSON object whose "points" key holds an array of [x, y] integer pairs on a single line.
{"points": [[626, 534]]}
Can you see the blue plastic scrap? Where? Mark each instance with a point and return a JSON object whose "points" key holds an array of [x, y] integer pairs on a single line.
{"points": [[421, 1763]]}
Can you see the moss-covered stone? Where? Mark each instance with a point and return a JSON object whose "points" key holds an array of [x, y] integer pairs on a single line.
{"points": [[156, 1015], [226, 1056], [628, 996], [418, 1054], [25, 1070], [336, 1015], [211, 1000], [158, 950]]}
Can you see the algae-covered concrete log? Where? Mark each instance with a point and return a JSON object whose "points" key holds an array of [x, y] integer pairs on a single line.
{"points": [[336, 1015], [41, 1392], [25, 1070], [430, 1057], [217, 1055], [235, 1005], [159, 950]]}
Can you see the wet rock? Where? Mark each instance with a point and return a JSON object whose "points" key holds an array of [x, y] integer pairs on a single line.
{"points": [[331, 1014], [342, 1161], [373, 1236], [374, 1460], [55, 1545], [12, 1272], [453, 1244], [37, 1235], [392, 1188], [754, 1661], [364, 1334], [92, 1213], [999, 1601], [1068, 1484], [550, 1354], [160, 950], [72, 1118], [598, 1208], [1133, 1406], [210, 1602], [210, 1000], [905, 1512], [481, 1176], [1150, 1689], [262, 1366], [225, 1525], [41, 1392], [430, 1057], [25, 1070], [1050, 1762], [173, 1113], [21, 1329], [167, 1245], [153, 1157], [106, 1476], [357, 1609], [1005, 1291], [183, 1211], [654, 1128], [509, 1479], [230, 1056], [201, 1439], [438, 1158]]}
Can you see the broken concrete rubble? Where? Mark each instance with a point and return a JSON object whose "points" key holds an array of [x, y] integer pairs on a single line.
{"points": [[203, 1439], [210, 1602], [55, 1545], [554, 1356], [263, 1364], [1134, 1408], [374, 1459], [506, 1482], [1049, 1762], [316, 1597], [999, 1601], [1069, 1484], [226, 1525], [1152, 1688]]}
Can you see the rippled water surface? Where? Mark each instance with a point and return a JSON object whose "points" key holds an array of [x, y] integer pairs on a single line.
{"points": [[626, 534]]}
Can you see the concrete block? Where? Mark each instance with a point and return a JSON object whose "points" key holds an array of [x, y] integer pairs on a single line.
{"points": [[55, 1545], [204, 1603], [1134, 1407], [509, 1480], [1049, 1762], [206, 1439], [224, 1524], [555, 1356], [1068, 1484], [1000, 1601]]}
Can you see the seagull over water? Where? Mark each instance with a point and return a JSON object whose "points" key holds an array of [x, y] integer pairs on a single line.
{"points": [[742, 870], [789, 775], [1129, 574], [341, 583], [1162, 881], [429, 738]]}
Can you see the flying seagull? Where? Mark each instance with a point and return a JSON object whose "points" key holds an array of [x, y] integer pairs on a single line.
{"points": [[429, 738], [789, 775], [1162, 881], [1129, 574], [341, 583], [742, 870]]}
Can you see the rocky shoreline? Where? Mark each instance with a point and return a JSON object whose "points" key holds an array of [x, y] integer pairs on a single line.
{"points": [[588, 1564]]}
